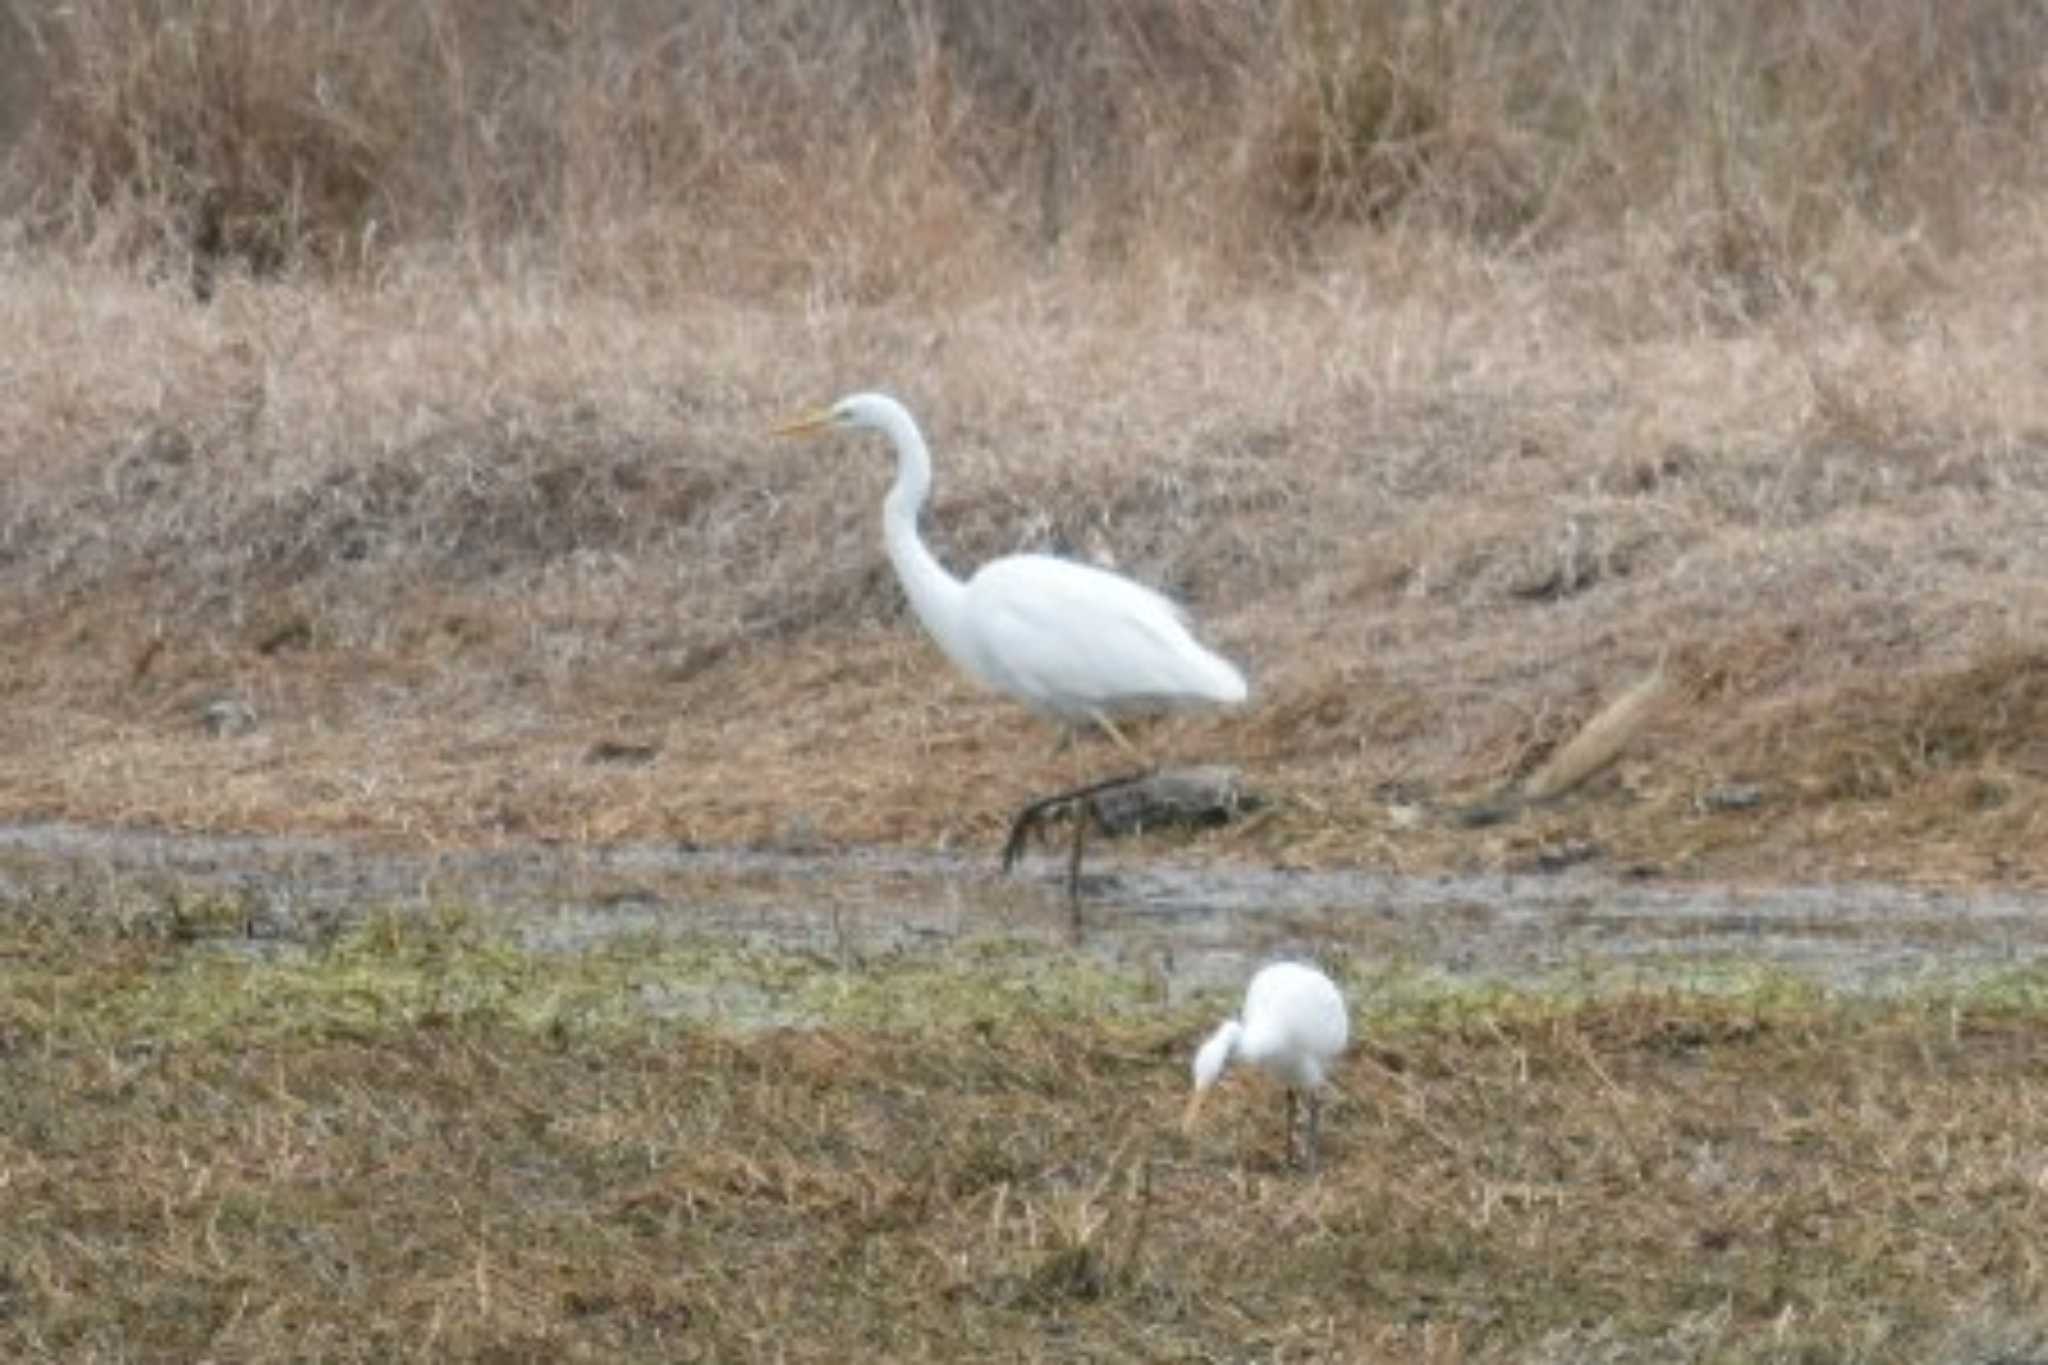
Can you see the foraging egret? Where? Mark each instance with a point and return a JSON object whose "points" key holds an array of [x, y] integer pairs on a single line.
{"points": [[1075, 643], [1293, 1026]]}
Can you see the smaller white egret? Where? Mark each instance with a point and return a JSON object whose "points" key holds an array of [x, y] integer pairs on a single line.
{"points": [[1292, 1027]]}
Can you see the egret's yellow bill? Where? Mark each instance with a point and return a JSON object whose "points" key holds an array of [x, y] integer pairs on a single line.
{"points": [[810, 421]]}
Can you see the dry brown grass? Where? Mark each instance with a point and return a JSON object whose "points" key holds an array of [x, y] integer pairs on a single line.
{"points": [[446, 539], [413, 1144], [884, 152], [1563, 342]]}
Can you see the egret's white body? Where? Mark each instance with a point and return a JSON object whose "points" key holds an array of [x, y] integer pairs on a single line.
{"points": [[1293, 1026], [1076, 643]]}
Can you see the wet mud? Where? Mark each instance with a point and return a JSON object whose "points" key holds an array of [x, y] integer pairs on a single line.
{"points": [[1193, 925]]}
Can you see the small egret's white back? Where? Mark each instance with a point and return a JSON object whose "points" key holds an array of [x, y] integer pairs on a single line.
{"points": [[1295, 1023]]}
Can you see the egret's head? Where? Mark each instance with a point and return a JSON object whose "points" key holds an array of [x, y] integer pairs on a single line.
{"points": [[1210, 1062], [876, 410]]}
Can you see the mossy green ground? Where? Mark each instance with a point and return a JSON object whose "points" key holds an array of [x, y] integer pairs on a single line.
{"points": [[417, 1139]]}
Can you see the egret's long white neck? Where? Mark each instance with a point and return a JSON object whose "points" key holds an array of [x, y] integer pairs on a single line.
{"points": [[935, 595]]}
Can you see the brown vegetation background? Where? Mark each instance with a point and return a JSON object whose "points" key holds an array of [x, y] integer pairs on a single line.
{"points": [[381, 416]]}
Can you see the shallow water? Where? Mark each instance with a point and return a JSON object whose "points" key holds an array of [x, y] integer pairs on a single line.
{"points": [[1193, 926]]}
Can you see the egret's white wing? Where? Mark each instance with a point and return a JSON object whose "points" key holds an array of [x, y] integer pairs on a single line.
{"points": [[1073, 639]]}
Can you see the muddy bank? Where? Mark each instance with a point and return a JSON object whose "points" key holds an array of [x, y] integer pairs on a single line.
{"points": [[1193, 926]]}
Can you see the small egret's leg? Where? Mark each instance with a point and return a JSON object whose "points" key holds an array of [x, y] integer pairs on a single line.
{"points": [[1293, 1120], [1314, 1101]]}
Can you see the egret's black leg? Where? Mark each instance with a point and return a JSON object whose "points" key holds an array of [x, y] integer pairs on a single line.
{"points": [[1314, 1101], [1035, 814]]}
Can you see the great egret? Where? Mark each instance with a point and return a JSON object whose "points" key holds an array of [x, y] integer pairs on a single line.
{"points": [[1292, 1027], [1078, 644]]}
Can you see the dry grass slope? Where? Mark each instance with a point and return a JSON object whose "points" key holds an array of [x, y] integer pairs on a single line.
{"points": [[1456, 362]]}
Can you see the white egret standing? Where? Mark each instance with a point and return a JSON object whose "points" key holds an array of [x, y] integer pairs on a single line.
{"points": [[1292, 1027], [1078, 644]]}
